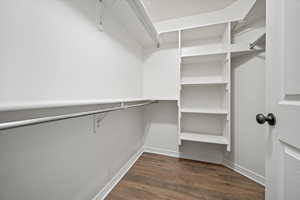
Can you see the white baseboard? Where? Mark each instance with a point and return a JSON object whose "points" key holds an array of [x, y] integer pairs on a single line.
{"points": [[160, 151], [117, 178], [245, 172]]}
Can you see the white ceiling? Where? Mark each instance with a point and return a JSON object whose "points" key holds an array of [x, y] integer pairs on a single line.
{"points": [[160, 10]]}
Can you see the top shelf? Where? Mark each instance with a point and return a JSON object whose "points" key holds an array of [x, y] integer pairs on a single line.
{"points": [[132, 14], [59, 104], [203, 58]]}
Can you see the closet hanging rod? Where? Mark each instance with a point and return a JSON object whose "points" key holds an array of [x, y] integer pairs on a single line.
{"points": [[253, 44], [22, 123]]}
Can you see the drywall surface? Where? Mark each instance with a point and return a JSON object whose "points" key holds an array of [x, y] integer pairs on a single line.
{"points": [[161, 126], [248, 97], [234, 12], [161, 10], [67, 159], [54, 51], [161, 73]]}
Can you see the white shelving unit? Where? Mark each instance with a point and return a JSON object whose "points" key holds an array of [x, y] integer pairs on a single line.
{"points": [[204, 101], [203, 78], [205, 84]]}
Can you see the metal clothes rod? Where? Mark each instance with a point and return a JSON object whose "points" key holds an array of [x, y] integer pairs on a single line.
{"points": [[22, 123], [253, 44]]}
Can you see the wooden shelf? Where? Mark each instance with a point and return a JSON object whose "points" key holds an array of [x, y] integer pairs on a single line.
{"points": [[204, 111], [242, 49], [205, 138], [206, 82], [198, 55], [163, 98], [213, 31], [67, 103], [195, 57]]}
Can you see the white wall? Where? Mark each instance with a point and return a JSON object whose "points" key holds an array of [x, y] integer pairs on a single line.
{"points": [[54, 51], [66, 159], [161, 73], [248, 93], [51, 50]]}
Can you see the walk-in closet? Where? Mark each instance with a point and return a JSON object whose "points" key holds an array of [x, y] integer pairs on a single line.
{"points": [[149, 100]]}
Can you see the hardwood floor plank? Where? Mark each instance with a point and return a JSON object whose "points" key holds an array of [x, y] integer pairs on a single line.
{"points": [[157, 177]]}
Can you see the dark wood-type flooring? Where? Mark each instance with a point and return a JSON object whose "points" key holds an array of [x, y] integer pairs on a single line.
{"points": [[158, 177]]}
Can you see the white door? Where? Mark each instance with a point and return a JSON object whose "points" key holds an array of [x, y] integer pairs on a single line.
{"points": [[283, 99]]}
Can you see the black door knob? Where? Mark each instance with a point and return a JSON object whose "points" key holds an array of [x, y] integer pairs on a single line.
{"points": [[270, 118]]}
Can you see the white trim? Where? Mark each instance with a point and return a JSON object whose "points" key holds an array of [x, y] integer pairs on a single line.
{"points": [[160, 151], [13, 106], [245, 172], [117, 178]]}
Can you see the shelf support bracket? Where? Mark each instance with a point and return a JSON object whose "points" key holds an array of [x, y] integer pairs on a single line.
{"points": [[257, 41]]}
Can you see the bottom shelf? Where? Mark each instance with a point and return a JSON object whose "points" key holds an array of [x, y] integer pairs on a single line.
{"points": [[205, 138]]}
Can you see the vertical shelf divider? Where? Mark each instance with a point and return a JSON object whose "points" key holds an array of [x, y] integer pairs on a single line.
{"points": [[228, 132], [179, 86]]}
